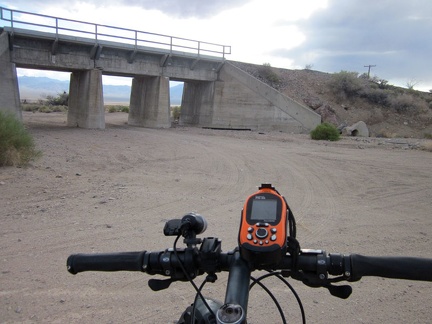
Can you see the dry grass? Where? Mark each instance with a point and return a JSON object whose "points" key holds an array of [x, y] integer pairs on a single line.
{"points": [[427, 146]]}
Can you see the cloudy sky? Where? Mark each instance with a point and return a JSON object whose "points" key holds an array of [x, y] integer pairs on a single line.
{"points": [[329, 35]]}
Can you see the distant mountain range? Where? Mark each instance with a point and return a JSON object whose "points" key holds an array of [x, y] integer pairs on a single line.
{"points": [[34, 88]]}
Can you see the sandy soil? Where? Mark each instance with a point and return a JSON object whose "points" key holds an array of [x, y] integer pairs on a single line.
{"points": [[112, 190]]}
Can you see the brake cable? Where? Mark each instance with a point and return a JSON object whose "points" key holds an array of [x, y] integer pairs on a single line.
{"points": [[279, 275], [198, 290]]}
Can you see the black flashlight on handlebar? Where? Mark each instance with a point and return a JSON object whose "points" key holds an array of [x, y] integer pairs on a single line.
{"points": [[189, 226]]}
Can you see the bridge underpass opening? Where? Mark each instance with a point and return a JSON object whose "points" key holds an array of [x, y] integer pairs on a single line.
{"points": [[39, 87], [35, 85]]}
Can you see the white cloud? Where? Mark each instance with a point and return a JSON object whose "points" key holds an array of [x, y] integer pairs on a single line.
{"points": [[332, 35]]}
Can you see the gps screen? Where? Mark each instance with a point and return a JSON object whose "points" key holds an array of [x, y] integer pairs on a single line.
{"points": [[264, 210]]}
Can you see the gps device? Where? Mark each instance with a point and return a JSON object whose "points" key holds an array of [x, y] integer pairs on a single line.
{"points": [[263, 227]]}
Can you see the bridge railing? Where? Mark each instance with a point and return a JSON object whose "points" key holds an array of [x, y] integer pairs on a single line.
{"points": [[97, 32]]}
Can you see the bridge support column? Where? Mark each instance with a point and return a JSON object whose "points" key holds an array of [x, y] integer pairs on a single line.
{"points": [[9, 90], [149, 102], [197, 103], [86, 106]]}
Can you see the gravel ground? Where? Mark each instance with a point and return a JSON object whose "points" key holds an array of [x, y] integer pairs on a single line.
{"points": [[112, 190]]}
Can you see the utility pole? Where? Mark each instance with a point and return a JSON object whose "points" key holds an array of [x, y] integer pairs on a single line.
{"points": [[369, 68]]}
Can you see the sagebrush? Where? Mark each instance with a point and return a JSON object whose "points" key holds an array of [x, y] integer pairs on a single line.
{"points": [[325, 131], [17, 146]]}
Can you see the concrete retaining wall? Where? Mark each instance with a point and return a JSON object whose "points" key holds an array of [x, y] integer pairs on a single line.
{"points": [[242, 101]]}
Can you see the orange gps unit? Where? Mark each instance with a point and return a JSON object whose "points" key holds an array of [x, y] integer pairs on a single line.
{"points": [[263, 227]]}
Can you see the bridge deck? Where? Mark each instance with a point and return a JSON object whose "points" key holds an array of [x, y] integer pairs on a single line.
{"points": [[105, 43], [28, 24]]}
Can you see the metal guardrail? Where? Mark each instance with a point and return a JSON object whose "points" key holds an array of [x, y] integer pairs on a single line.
{"points": [[38, 22]]}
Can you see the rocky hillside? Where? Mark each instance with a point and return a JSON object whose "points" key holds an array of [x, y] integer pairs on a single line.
{"points": [[345, 98]]}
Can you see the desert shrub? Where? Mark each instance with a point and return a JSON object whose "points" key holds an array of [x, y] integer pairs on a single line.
{"points": [[428, 135], [176, 112], [62, 99], [325, 131], [383, 84], [46, 109], [59, 108], [375, 96], [266, 72], [346, 84], [427, 147], [30, 107], [116, 108], [404, 104], [16, 144]]}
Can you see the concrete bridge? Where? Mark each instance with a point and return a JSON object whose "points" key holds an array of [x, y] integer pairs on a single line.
{"points": [[216, 93]]}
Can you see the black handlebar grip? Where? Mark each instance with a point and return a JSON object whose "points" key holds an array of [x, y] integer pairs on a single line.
{"points": [[391, 267], [123, 261]]}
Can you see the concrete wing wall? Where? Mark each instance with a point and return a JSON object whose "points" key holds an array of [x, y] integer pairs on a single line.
{"points": [[242, 101]]}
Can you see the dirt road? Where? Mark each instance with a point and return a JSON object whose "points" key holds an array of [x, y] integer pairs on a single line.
{"points": [[112, 190]]}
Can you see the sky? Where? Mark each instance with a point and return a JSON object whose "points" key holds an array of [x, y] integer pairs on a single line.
{"points": [[325, 35]]}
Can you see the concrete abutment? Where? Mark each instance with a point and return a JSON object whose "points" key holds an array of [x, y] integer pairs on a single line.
{"points": [[9, 90], [197, 104]]}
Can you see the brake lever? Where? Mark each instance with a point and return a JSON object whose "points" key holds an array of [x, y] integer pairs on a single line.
{"points": [[311, 280], [159, 284], [343, 291]]}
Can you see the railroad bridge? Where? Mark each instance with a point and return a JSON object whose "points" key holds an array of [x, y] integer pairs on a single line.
{"points": [[216, 93]]}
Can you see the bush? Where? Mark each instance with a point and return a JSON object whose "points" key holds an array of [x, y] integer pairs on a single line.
{"points": [[267, 73], [406, 104], [16, 144], [62, 99], [45, 109], [175, 111], [346, 83], [325, 131], [116, 108], [376, 96], [427, 147]]}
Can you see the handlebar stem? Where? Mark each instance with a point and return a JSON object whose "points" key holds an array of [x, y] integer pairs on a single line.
{"points": [[238, 283]]}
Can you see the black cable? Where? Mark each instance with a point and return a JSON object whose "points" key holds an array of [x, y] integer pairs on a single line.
{"points": [[196, 299], [279, 275], [258, 281], [189, 278]]}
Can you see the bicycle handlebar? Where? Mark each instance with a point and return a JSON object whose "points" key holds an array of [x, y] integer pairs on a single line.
{"points": [[123, 261], [410, 268], [314, 264], [315, 268]]}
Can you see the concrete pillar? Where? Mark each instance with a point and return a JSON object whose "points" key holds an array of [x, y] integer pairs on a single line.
{"points": [[86, 106], [149, 102], [197, 103], [9, 90]]}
